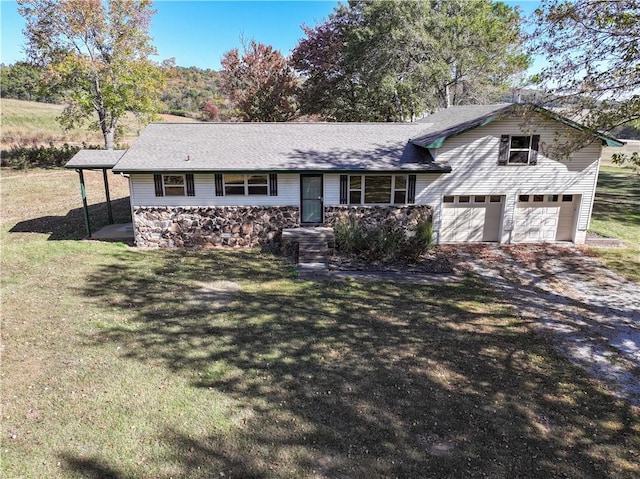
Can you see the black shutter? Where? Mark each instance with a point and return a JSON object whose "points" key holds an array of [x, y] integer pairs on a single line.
{"points": [[411, 189], [344, 189], [535, 143], [219, 185], [191, 188], [273, 184], [504, 150], [157, 180]]}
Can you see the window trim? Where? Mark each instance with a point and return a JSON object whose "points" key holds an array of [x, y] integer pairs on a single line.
{"points": [[505, 150], [164, 184], [528, 149], [246, 185], [363, 187]]}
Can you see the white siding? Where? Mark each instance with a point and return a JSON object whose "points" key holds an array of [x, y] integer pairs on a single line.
{"points": [[424, 195], [143, 193], [331, 190], [473, 157]]}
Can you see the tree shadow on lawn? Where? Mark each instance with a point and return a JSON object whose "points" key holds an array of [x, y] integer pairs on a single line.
{"points": [[72, 225], [617, 198], [360, 379]]}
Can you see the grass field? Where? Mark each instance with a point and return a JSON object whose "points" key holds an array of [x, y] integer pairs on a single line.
{"points": [[28, 123], [616, 213], [123, 363]]}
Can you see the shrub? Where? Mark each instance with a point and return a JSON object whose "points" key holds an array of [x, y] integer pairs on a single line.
{"points": [[350, 236], [421, 240], [176, 112], [385, 242], [21, 157]]}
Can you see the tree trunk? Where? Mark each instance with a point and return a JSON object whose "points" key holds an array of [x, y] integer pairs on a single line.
{"points": [[109, 138], [108, 127], [399, 112]]}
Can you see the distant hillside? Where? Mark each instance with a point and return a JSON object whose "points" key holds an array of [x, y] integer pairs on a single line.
{"points": [[28, 123], [187, 90]]}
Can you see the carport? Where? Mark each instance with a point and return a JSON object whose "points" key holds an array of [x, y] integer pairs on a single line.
{"points": [[94, 160]]}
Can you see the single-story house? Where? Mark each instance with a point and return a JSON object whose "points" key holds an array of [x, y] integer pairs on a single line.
{"points": [[483, 173]]}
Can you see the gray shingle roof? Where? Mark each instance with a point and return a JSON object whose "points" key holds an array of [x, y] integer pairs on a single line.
{"points": [[95, 159], [300, 146], [278, 147], [455, 120]]}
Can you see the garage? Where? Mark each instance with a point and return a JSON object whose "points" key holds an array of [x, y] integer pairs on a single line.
{"points": [[545, 218], [471, 218]]}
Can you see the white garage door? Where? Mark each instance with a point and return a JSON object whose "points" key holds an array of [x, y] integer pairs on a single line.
{"points": [[537, 217], [567, 217], [471, 218]]}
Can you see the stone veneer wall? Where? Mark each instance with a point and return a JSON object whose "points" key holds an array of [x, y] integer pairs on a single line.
{"points": [[209, 226], [248, 226]]}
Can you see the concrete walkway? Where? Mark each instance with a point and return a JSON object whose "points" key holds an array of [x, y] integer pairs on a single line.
{"points": [[590, 314], [116, 232]]}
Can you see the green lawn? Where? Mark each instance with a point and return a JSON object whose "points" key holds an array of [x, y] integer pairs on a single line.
{"points": [[124, 363], [616, 213]]}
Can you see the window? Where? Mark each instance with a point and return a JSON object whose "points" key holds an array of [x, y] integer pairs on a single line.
{"points": [[173, 185], [355, 190], [519, 150], [567, 198], [377, 189], [246, 184], [552, 198], [495, 199], [538, 198], [400, 190], [447, 199], [479, 199], [523, 198], [464, 199]]}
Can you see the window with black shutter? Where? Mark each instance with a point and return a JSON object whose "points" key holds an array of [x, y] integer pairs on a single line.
{"points": [[411, 191], [344, 189], [273, 184], [519, 149], [191, 188], [157, 181], [219, 184]]}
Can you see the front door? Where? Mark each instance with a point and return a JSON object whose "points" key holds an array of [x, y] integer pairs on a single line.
{"points": [[311, 205]]}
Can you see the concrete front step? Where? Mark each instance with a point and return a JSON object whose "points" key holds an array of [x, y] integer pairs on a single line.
{"points": [[313, 245]]}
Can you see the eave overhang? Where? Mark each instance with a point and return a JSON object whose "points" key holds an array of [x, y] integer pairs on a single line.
{"points": [[435, 140], [431, 169]]}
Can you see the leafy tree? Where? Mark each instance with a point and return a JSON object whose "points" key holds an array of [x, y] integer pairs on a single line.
{"points": [[210, 111], [593, 55], [260, 83], [188, 88], [389, 60], [23, 81], [334, 84], [98, 53]]}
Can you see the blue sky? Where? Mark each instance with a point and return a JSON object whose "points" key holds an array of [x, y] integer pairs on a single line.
{"points": [[198, 33]]}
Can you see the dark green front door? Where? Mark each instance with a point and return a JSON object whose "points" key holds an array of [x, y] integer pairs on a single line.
{"points": [[311, 204]]}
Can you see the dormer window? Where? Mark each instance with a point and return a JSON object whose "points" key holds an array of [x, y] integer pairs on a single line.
{"points": [[519, 149]]}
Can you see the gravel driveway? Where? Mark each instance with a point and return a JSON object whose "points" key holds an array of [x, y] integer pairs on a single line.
{"points": [[589, 313]]}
